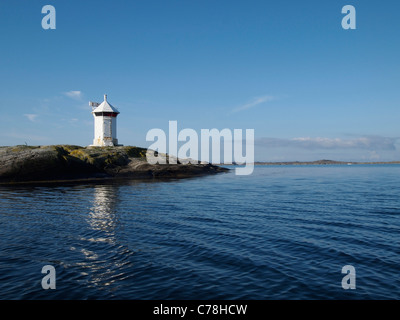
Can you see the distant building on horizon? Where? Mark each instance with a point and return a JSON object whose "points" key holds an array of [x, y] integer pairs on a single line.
{"points": [[105, 124]]}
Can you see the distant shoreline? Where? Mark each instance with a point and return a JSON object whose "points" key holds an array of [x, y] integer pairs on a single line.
{"points": [[318, 162]]}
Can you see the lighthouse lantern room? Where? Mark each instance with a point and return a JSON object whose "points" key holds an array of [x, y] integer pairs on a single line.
{"points": [[105, 123]]}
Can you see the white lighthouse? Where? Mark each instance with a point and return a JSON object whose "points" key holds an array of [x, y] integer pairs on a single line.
{"points": [[105, 123]]}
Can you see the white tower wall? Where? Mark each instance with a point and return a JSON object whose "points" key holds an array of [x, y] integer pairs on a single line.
{"points": [[114, 130], [105, 125]]}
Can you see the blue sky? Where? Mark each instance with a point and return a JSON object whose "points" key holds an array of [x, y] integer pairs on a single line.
{"points": [[286, 69]]}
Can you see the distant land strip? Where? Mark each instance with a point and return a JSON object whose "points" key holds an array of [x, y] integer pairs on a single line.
{"points": [[319, 162]]}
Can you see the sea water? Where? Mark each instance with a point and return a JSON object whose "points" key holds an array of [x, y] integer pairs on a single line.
{"points": [[284, 232]]}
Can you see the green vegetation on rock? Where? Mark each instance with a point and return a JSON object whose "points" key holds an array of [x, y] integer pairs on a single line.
{"points": [[68, 162]]}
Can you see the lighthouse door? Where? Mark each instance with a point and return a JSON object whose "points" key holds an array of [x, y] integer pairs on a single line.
{"points": [[107, 128]]}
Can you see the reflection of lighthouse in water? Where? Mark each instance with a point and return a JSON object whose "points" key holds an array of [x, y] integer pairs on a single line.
{"points": [[103, 254], [102, 213]]}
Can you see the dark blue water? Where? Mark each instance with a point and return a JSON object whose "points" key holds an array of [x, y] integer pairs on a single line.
{"points": [[284, 232]]}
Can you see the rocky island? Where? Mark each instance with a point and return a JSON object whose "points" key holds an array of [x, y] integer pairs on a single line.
{"points": [[21, 164]]}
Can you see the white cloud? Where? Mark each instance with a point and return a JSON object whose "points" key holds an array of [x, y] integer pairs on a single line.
{"points": [[366, 142], [77, 95], [31, 116], [373, 155], [254, 102]]}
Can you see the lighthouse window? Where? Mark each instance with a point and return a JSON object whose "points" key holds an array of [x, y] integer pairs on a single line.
{"points": [[106, 114]]}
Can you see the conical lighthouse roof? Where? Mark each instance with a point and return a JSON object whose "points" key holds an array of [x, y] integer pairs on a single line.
{"points": [[105, 107]]}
